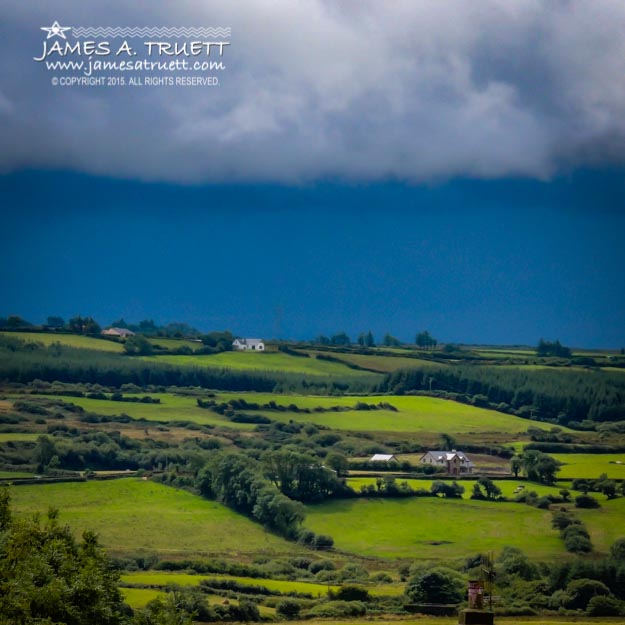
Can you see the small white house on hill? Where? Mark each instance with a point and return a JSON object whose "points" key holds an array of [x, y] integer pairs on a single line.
{"points": [[383, 458], [454, 462], [123, 332], [256, 345]]}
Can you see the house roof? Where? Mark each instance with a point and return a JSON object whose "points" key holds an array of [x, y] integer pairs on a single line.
{"points": [[249, 341], [382, 457], [449, 455], [119, 331]]}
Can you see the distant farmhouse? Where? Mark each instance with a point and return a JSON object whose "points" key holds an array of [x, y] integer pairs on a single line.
{"points": [[454, 462], [248, 345], [383, 458], [122, 332]]}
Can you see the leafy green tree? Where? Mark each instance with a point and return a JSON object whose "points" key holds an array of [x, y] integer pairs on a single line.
{"points": [[322, 340], [390, 341], [539, 467], [448, 441], [516, 464], [451, 490], [338, 462], [138, 345], [55, 322], [547, 348], [437, 585], [425, 340], [47, 576], [512, 561], [15, 322], [221, 341], [45, 450], [581, 591], [617, 550], [490, 488], [340, 338]]}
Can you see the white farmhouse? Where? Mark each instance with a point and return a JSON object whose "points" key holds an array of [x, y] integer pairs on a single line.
{"points": [[256, 345], [122, 332], [454, 462], [383, 458]]}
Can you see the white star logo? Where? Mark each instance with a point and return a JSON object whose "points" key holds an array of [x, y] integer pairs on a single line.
{"points": [[56, 30]]}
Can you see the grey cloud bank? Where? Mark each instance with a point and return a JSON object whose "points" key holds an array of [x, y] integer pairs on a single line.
{"points": [[356, 91]]}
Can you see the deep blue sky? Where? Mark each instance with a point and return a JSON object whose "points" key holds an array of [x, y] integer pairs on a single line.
{"points": [[505, 261]]}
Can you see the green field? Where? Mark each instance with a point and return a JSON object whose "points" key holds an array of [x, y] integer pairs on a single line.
{"points": [[429, 528], [139, 597], [172, 408], [383, 364], [285, 587], [4, 475], [264, 361], [132, 516], [415, 414], [606, 523], [18, 436], [173, 343], [72, 340], [591, 465], [507, 486]]}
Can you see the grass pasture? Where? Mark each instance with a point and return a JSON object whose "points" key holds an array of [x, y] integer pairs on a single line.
{"points": [[429, 528], [5, 437], [183, 579], [133, 516], [71, 340], [606, 523], [507, 486], [383, 364], [138, 598], [415, 414], [591, 466], [172, 408], [265, 361]]}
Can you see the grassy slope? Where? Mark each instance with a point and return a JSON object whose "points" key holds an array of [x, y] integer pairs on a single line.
{"points": [[18, 436], [164, 579], [72, 340], [265, 361], [605, 524], [591, 465], [383, 364], [172, 408], [132, 515], [407, 527], [507, 486], [415, 413]]}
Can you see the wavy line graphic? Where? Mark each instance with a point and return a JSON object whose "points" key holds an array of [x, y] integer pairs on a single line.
{"points": [[151, 31]]}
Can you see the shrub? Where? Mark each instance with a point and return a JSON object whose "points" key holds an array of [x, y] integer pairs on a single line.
{"points": [[581, 591], [288, 608], [602, 605], [437, 585], [586, 501], [323, 541], [350, 593], [617, 550], [321, 565], [338, 609]]}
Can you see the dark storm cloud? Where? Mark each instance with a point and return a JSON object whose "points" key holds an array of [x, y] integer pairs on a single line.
{"points": [[315, 90]]}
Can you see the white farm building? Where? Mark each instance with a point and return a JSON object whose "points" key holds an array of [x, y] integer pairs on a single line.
{"points": [[256, 345]]}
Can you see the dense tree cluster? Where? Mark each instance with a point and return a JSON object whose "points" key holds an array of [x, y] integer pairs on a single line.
{"points": [[567, 397], [237, 481], [547, 348], [47, 576]]}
